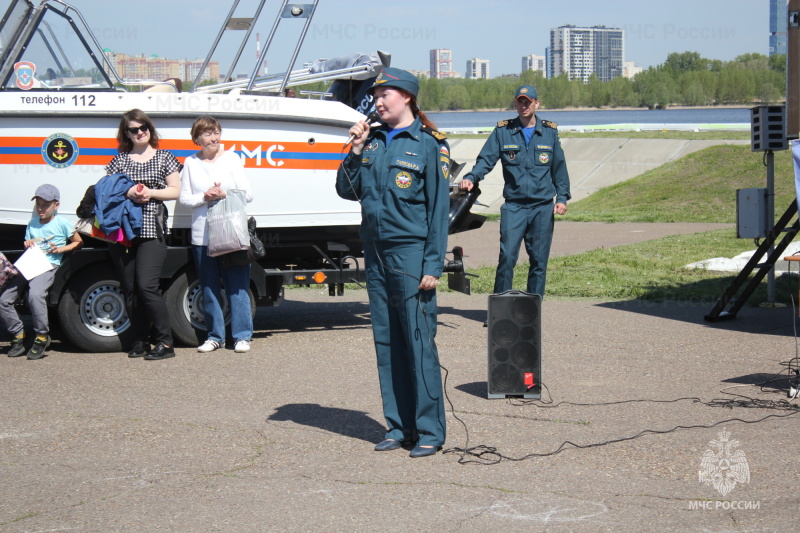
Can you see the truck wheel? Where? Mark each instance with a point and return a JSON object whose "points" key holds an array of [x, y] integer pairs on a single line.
{"points": [[92, 313], [185, 303]]}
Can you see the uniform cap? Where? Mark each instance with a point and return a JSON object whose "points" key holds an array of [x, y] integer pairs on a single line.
{"points": [[397, 78], [527, 91], [47, 193]]}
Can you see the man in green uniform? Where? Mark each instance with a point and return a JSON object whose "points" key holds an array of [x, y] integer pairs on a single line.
{"points": [[535, 175]]}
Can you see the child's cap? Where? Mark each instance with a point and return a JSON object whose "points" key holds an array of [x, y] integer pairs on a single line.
{"points": [[47, 193]]}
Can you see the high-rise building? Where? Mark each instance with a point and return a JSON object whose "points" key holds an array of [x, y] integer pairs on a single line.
{"points": [[581, 52], [477, 68], [778, 26], [442, 63], [534, 62]]}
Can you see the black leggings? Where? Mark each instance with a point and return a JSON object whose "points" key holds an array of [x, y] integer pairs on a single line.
{"points": [[139, 268]]}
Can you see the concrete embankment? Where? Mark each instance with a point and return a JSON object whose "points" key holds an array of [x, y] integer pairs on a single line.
{"points": [[592, 163]]}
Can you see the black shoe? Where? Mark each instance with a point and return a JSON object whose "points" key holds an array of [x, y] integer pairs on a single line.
{"points": [[160, 352], [139, 349], [388, 445], [423, 451], [39, 348], [17, 347]]}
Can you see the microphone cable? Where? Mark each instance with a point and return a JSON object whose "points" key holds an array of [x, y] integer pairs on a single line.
{"points": [[490, 455]]}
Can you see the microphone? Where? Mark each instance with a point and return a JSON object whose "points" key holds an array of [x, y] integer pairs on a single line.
{"points": [[373, 117]]}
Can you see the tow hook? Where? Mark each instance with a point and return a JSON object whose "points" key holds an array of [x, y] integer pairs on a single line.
{"points": [[457, 278]]}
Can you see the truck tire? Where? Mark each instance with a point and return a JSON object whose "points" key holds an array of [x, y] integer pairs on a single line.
{"points": [[91, 311], [185, 303]]}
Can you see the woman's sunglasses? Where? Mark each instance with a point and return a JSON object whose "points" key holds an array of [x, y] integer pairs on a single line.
{"points": [[143, 128]]}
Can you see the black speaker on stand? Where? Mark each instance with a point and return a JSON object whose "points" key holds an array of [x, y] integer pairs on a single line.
{"points": [[515, 345]]}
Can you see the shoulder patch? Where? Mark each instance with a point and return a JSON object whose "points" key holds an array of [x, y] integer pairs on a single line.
{"points": [[549, 124], [504, 123], [438, 135]]}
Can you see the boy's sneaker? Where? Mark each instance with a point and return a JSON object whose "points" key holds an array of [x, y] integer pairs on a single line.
{"points": [[17, 347], [39, 347], [209, 346], [242, 346]]}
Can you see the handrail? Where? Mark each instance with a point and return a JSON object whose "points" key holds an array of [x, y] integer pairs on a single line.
{"points": [[297, 77]]}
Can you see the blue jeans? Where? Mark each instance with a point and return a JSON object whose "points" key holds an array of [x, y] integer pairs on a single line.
{"points": [[236, 280]]}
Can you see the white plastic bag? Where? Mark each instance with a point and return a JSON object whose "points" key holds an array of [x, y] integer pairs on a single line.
{"points": [[227, 225]]}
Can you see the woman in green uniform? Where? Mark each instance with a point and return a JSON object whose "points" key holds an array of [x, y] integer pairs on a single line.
{"points": [[399, 173]]}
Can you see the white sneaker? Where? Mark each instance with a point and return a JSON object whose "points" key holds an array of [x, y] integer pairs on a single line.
{"points": [[209, 346], [242, 346]]}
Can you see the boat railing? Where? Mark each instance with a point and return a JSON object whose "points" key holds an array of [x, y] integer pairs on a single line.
{"points": [[297, 77], [90, 33], [32, 21], [142, 83]]}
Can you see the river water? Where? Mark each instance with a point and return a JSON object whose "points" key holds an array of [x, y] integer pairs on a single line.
{"points": [[487, 119]]}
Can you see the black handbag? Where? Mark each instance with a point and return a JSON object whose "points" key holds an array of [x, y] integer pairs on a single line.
{"points": [[256, 246]]}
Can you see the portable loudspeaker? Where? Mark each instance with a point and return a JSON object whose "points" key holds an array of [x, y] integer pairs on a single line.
{"points": [[515, 350]]}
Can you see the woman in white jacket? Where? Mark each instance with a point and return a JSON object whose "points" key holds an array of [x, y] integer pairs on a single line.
{"points": [[205, 179]]}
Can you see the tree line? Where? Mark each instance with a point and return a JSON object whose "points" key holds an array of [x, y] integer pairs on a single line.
{"points": [[685, 79]]}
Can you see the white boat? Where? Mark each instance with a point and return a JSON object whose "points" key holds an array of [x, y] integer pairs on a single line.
{"points": [[60, 105]]}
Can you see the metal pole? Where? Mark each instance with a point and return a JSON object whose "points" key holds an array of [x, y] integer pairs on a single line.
{"points": [[793, 70], [266, 47], [214, 46], [299, 44], [235, 61], [770, 221]]}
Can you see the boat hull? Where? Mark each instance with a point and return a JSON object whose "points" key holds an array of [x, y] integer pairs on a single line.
{"points": [[291, 149]]}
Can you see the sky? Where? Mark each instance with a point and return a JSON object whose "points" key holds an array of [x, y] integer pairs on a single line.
{"points": [[502, 31]]}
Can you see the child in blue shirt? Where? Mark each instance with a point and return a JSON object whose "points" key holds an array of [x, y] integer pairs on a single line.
{"points": [[56, 236]]}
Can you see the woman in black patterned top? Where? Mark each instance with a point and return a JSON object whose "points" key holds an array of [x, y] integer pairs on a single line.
{"points": [[156, 174]]}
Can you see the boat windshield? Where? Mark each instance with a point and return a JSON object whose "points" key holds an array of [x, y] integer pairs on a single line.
{"points": [[48, 52]]}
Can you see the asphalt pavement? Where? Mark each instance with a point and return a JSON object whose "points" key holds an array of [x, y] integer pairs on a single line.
{"points": [[652, 420]]}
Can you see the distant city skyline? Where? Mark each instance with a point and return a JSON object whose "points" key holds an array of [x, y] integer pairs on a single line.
{"points": [[508, 29]]}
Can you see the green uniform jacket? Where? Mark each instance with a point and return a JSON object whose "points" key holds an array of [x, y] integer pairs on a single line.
{"points": [[403, 190], [533, 174]]}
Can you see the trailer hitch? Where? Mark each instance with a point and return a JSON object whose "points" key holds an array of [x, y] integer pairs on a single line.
{"points": [[457, 278]]}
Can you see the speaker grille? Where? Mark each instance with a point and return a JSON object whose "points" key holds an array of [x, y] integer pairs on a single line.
{"points": [[514, 345]]}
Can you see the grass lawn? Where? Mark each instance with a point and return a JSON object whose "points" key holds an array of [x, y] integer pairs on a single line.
{"points": [[700, 187], [652, 270]]}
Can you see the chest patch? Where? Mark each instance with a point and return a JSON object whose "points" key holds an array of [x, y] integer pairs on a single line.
{"points": [[403, 179], [411, 165], [544, 157], [507, 147]]}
